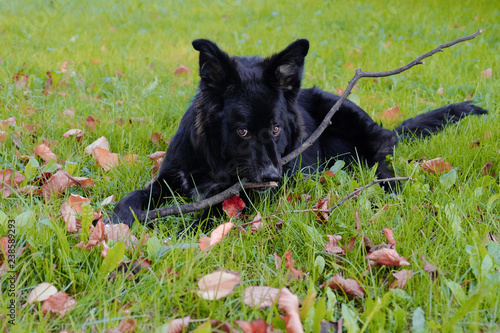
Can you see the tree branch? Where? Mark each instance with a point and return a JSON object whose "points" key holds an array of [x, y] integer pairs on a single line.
{"points": [[236, 188]]}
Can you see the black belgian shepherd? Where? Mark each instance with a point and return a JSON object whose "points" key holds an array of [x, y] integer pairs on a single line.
{"points": [[250, 111]]}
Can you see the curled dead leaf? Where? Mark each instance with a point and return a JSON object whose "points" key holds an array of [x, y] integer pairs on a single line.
{"points": [[206, 243], [105, 159], [289, 303], [349, 286], [102, 142], [59, 303], [218, 284], [178, 325], [401, 279], [74, 132], [332, 247], [389, 235], [386, 257], [43, 151]]}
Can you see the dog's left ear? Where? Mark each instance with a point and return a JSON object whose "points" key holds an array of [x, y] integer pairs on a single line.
{"points": [[285, 68]]}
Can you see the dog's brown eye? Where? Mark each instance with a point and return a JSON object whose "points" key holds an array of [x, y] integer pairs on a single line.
{"points": [[276, 129], [242, 131]]}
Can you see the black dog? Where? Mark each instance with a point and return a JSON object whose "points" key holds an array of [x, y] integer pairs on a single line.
{"points": [[251, 111]]}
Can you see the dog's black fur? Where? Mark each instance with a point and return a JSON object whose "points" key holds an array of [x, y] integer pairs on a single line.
{"points": [[251, 111]]}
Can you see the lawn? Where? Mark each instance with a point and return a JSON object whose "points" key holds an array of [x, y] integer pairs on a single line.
{"points": [[112, 69]]}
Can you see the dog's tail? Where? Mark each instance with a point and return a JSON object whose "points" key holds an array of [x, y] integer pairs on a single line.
{"points": [[433, 121]]}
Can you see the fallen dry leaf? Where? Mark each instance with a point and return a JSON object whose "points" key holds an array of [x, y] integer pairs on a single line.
{"points": [[108, 200], [322, 207], [289, 303], [126, 325], [178, 325], [10, 179], [386, 257], [218, 284], [233, 206], [377, 214], [431, 269], [59, 303], [105, 159], [440, 91], [263, 297], [121, 233], [259, 325], [3, 136], [41, 292], [401, 279], [487, 73], [332, 247], [182, 70], [392, 113], [102, 142], [70, 113], [44, 152], [74, 132], [349, 286], [75, 201], [69, 217], [206, 243], [256, 223], [435, 166], [389, 235]]}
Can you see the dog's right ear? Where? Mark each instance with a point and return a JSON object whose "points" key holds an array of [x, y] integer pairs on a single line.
{"points": [[216, 69]]}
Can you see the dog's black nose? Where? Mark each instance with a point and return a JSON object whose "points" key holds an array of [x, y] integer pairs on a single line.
{"points": [[270, 174]]}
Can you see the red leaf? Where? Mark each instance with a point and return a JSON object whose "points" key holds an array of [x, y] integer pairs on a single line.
{"points": [[233, 206], [326, 174]]}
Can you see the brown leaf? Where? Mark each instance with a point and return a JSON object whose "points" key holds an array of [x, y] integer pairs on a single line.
{"points": [[256, 223], [431, 269], [91, 122], [392, 113], [105, 159], [216, 236], [289, 303], [126, 325], [108, 200], [389, 236], [121, 233], [349, 286], [233, 206], [263, 297], [157, 155], [75, 201], [74, 132], [440, 91], [44, 152], [58, 303], [64, 67], [357, 218], [487, 73], [3, 136], [10, 179], [182, 70], [95, 61], [486, 168], [117, 72], [401, 279], [322, 207], [386, 257], [332, 247], [435, 166], [57, 184], [70, 113], [218, 284], [259, 325], [178, 325], [69, 217]]}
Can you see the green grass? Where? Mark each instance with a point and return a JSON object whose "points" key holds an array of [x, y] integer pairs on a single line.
{"points": [[147, 41]]}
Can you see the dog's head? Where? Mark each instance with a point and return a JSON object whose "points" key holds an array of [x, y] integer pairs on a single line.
{"points": [[246, 110]]}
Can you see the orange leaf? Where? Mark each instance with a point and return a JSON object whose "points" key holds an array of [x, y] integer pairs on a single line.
{"points": [[216, 236], [436, 166], [95, 61], [233, 206], [392, 113], [44, 152], [105, 159]]}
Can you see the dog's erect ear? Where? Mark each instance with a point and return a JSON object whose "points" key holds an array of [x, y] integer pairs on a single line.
{"points": [[285, 68], [215, 65]]}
